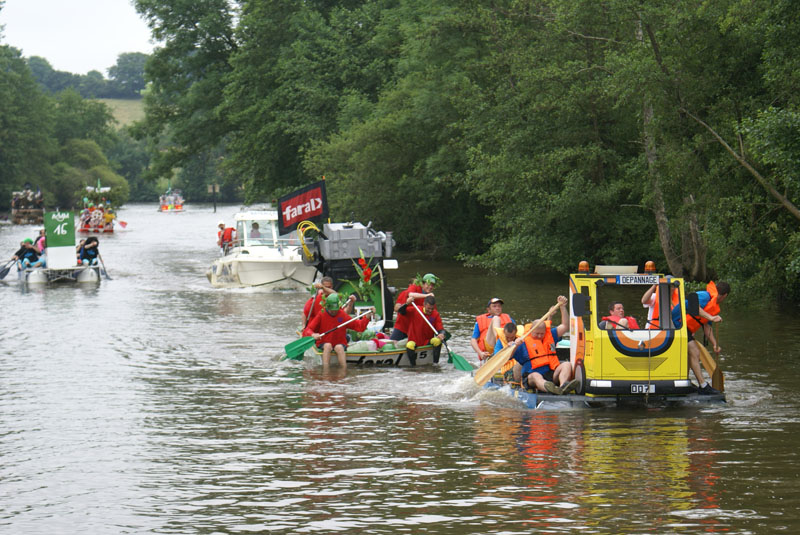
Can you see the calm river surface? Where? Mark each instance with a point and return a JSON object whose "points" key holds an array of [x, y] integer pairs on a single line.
{"points": [[154, 403]]}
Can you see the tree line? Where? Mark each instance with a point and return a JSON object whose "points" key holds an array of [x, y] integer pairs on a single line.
{"points": [[513, 135], [125, 78]]}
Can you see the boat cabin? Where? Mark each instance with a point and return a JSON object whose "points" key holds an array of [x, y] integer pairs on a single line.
{"points": [[634, 354], [260, 227]]}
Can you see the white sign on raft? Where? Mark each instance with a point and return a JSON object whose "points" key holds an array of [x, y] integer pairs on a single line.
{"points": [[637, 279]]}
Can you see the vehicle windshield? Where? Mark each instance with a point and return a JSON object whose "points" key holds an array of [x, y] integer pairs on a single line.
{"points": [[635, 315], [256, 232]]}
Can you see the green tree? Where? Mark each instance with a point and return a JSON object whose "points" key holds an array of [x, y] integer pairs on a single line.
{"points": [[26, 145], [186, 75], [127, 75]]}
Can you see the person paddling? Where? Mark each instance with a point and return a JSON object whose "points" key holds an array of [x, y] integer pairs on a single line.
{"points": [[416, 293], [27, 256], [484, 335], [335, 340], [420, 321]]}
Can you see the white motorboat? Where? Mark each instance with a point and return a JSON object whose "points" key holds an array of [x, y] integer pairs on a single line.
{"points": [[259, 256]]}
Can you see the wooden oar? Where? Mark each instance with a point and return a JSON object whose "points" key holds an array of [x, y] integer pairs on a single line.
{"points": [[6, 269], [459, 362], [294, 350], [496, 362], [713, 370]]}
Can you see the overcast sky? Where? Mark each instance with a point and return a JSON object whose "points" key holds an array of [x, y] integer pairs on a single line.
{"points": [[77, 36]]}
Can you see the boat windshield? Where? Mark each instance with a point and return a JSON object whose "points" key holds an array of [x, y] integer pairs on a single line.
{"points": [[263, 232], [256, 232]]}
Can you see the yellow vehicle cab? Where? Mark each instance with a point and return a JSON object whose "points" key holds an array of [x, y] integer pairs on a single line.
{"points": [[641, 358]]}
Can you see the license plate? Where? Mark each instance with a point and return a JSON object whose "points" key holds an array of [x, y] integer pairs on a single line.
{"points": [[643, 389]]}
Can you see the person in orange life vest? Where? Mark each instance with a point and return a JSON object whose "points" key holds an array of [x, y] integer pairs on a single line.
{"points": [[224, 237], [416, 292], [650, 302], [316, 304], [335, 341], [484, 335], [710, 299], [420, 333], [542, 370], [617, 319]]}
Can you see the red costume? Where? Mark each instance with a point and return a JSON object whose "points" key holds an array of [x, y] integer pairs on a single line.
{"points": [[324, 322], [310, 310], [419, 331]]}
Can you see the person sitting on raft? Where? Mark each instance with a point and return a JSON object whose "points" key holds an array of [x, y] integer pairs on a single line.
{"points": [[484, 335], [316, 304], [416, 292], [89, 252], [617, 319], [539, 366], [336, 340], [419, 330], [27, 256]]}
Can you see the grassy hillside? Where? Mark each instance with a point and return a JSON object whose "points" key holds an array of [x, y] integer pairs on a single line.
{"points": [[125, 111]]}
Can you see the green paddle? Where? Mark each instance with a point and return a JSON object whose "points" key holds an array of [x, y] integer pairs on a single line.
{"points": [[459, 362], [294, 350]]}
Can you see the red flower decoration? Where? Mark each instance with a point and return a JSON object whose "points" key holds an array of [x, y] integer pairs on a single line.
{"points": [[367, 275], [362, 263]]}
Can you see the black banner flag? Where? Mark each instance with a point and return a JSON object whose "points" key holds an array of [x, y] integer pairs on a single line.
{"points": [[308, 203]]}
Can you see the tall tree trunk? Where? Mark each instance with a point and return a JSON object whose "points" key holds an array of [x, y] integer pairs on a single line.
{"points": [[659, 210]]}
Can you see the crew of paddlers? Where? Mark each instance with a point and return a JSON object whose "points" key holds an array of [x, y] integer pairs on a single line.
{"points": [[535, 364], [97, 218]]}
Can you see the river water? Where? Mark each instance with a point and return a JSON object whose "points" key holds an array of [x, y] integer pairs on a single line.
{"points": [[154, 403]]}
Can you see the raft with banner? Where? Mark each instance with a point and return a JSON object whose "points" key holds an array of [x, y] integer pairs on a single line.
{"points": [[61, 262], [615, 364]]}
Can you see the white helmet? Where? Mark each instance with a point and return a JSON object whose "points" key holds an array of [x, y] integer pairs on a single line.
{"points": [[221, 223]]}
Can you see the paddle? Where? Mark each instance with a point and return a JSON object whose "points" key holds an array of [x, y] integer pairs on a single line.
{"points": [[496, 362], [105, 271], [6, 269], [459, 362], [717, 379], [294, 350]]}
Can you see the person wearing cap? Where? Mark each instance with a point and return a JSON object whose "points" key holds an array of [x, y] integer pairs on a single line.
{"points": [[416, 293], [224, 237], [484, 335], [27, 255], [419, 330], [336, 340], [316, 304]]}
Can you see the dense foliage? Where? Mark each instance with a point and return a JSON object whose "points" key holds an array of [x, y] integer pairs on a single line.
{"points": [[516, 134], [54, 143]]}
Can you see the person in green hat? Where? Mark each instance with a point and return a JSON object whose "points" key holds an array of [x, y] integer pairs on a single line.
{"points": [[331, 320], [416, 292], [27, 255]]}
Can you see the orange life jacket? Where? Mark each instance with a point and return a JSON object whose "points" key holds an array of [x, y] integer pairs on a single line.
{"points": [[484, 322], [542, 352], [693, 323], [674, 300]]}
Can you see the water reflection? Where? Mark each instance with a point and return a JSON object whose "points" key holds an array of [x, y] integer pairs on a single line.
{"points": [[153, 403]]}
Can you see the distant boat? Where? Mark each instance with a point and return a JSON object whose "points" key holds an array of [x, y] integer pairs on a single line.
{"points": [[171, 201]]}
